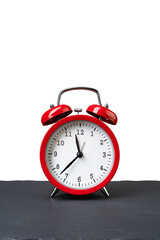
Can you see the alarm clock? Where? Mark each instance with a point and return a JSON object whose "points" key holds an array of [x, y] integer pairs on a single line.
{"points": [[79, 153]]}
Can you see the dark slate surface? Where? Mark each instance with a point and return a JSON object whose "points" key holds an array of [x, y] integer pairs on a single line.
{"points": [[131, 212]]}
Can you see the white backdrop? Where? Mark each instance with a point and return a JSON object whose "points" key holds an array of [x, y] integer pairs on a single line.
{"points": [[113, 46]]}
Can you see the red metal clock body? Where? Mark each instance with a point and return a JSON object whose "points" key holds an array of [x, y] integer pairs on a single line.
{"points": [[59, 149]]}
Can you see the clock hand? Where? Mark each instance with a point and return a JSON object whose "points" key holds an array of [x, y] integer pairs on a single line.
{"points": [[79, 155], [82, 146], [69, 164], [77, 143]]}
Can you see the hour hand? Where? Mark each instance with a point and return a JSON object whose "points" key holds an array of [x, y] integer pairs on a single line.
{"points": [[77, 143]]}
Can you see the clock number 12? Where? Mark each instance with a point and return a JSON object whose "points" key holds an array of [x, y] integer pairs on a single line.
{"points": [[80, 132]]}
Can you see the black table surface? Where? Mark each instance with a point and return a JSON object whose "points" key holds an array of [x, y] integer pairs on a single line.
{"points": [[131, 212]]}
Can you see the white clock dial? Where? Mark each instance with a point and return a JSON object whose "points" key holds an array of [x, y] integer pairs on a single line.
{"points": [[88, 170]]}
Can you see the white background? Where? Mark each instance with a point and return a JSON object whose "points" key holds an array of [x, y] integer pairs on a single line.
{"points": [[113, 46]]}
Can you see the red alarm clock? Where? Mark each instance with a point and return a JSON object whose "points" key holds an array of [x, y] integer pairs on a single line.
{"points": [[79, 154]]}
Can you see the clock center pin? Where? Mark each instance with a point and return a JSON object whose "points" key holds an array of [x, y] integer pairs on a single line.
{"points": [[79, 154]]}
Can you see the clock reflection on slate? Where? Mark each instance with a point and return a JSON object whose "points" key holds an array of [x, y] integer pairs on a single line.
{"points": [[79, 154]]}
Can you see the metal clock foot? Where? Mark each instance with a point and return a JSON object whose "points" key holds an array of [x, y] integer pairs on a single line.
{"points": [[54, 192], [105, 192]]}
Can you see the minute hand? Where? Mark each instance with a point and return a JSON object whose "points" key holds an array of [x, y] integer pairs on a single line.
{"points": [[69, 164]]}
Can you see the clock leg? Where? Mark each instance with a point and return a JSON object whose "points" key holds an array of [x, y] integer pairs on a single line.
{"points": [[54, 192], [105, 192]]}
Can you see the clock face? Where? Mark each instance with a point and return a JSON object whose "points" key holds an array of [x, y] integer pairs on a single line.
{"points": [[84, 168]]}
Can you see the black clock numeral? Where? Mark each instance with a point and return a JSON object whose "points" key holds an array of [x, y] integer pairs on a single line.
{"points": [[66, 174], [60, 143], [92, 134], [79, 179], [101, 167], [104, 154], [91, 175], [57, 166], [68, 134], [80, 132], [55, 153], [101, 142]]}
